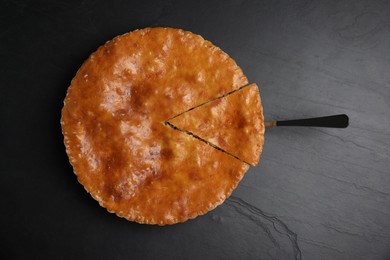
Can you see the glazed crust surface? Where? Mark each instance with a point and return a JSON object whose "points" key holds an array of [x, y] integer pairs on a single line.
{"points": [[234, 123], [112, 122]]}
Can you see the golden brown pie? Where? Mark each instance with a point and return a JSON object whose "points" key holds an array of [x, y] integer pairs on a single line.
{"points": [[113, 126], [234, 123]]}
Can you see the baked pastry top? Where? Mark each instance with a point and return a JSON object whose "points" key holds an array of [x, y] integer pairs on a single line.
{"points": [[234, 123], [114, 133]]}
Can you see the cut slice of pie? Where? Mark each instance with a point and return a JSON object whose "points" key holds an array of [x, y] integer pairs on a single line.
{"points": [[233, 123]]}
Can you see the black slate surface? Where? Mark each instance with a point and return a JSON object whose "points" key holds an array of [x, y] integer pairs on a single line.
{"points": [[317, 193]]}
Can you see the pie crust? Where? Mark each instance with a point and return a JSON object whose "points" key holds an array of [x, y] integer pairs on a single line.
{"points": [[114, 132]]}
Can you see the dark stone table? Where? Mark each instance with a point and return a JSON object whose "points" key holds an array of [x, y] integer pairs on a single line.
{"points": [[317, 193]]}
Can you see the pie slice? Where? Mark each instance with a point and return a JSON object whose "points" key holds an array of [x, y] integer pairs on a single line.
{"points": [[233, 123]]}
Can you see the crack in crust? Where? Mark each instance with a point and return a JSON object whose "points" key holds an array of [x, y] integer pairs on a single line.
{"points": [[202, 140], [208, 101]]}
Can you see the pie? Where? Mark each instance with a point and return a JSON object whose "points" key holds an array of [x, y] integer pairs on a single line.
{"points": [[115, 132]]}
